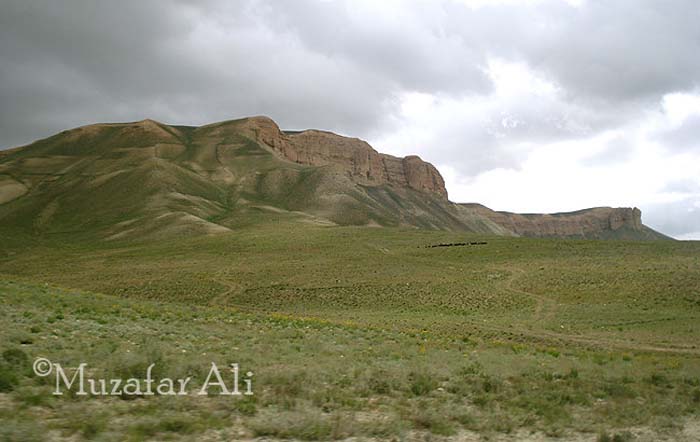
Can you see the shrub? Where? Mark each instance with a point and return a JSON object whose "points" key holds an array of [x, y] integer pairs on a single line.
{"points": [[427, 419], [379, 382], [32, 396], [657, 379], [619, 390], [8, 379], [246, 406], [573, 374], [176, 425], [88, 427], [421, 383], [490, 385], [553, 352], [16, 358], [93, 427]]}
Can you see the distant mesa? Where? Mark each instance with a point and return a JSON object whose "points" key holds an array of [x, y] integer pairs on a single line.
{"points": [[147, 179]]}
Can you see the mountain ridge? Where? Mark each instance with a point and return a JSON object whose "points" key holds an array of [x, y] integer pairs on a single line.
{"points": [[148, 179]]}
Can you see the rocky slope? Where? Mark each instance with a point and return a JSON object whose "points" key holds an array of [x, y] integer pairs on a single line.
{"points": [[148, 179]]}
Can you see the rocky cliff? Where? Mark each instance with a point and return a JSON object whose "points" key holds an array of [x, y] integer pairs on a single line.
{"points": [[353, 156], [598, 222]]}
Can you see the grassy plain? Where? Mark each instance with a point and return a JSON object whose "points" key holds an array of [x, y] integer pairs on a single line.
{"points": [[357, 332]]}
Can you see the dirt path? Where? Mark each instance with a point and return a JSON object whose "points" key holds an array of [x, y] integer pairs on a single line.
{"points": [[545, 310], [223, 298]]}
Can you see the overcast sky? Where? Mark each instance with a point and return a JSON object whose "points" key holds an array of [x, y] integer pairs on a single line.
{"points": [[530, 106]]}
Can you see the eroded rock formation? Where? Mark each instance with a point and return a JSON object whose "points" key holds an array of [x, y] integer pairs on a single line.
{"points": [[354, 156], [583, 223]]}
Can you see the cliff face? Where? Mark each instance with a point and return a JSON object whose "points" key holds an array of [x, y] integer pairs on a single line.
{"points": [[355, 157], [599, 222]]}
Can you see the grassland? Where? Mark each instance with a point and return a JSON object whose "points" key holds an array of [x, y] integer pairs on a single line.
{"points": [[357, 332]]}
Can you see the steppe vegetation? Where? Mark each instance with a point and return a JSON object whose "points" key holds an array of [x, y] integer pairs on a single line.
{"points": [[356, 332]]}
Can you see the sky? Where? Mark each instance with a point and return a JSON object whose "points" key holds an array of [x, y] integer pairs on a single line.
{"points": [[525, 106]]}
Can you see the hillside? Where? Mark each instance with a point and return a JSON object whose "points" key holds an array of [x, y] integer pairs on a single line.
{"points": [[148, 180]]}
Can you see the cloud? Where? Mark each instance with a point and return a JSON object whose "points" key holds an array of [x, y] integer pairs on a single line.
{"points": [[410, 45], [679, 129], [524, 105], [71, 64], [679, 219], [480, 132], [622, 50]]}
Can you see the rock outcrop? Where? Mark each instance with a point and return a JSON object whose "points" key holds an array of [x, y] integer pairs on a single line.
{"points": [[355, 157], [599, 222]]}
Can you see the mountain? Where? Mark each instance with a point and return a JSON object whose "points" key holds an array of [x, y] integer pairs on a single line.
{"points": [[147, 179]]}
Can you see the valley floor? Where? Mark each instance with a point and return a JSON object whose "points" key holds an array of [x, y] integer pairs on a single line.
{"points": [[357, 333]]}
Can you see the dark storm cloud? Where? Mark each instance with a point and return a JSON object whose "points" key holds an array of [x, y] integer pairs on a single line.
{"points": [[71, 63], [335, 65], [410, 45], [623, 49], [347, 66]]}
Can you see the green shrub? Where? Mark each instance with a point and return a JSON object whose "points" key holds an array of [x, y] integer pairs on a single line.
{"points": [[179, 425], [467, 420], [16, 358], [421, 383], [436, 423], [32, 396], [8, 379], [573, 374], [657, 379], [247, 406], [618, 390], [490, 385], [93, 427], [87, 426], [379, 382]]}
